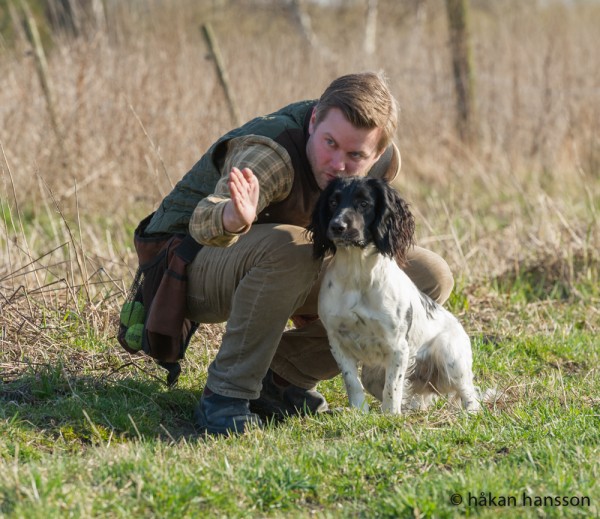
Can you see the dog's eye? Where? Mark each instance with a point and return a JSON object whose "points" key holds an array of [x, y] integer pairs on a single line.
{"points": [[364, 204], [333, 203]]}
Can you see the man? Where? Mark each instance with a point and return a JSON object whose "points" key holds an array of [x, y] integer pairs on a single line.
{"points": [[248, 201]]}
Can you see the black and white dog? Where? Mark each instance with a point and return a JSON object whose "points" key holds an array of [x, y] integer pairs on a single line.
{"points": [[410, 347]]}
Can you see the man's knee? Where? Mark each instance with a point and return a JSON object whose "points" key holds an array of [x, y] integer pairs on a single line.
{"points": [[290, 248], [444, 285], [430, 273]]}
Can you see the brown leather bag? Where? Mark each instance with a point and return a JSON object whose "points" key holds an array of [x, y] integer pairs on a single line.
{"points": [[160, 285]]}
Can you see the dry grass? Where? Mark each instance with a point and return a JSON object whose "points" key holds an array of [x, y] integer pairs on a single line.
{"points": [[139, 101]]}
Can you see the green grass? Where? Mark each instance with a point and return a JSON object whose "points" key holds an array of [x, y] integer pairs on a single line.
{"points": [[88, 431], [91, 435]]}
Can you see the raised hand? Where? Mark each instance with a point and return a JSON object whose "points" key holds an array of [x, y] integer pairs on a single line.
{"points": [[240, 211]]}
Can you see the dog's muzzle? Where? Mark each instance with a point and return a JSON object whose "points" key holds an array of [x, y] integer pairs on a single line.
{"points": [[342, 234]]}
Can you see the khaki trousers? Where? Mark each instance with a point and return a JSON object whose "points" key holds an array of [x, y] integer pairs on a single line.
{"points": [[255, 285]]}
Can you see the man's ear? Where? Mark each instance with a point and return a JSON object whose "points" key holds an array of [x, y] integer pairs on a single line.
{"points": [[313, 121], [379, 155]]}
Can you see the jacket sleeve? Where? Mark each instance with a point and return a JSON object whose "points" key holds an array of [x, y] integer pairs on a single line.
{"points": [[272, 166]]}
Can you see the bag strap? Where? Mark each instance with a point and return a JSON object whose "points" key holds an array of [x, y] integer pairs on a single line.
{"points": [[148, 246], [187, 249]]}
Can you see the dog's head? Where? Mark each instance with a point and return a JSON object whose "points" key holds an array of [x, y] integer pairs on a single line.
{"points": [[356, 212]]}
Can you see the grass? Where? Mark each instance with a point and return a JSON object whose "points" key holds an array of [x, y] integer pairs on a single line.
{"points": [[88, 431], [93, 432], [345, 464]]}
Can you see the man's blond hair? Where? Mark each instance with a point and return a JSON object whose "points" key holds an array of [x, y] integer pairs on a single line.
{"points": [[365, 100]]}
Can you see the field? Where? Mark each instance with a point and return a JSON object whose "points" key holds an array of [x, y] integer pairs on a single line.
{"points": [[130, 104]]}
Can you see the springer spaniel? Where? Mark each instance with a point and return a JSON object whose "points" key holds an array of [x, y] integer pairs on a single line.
{"points": [[410, 347]]}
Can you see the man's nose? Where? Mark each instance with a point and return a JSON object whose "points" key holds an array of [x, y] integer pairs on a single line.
{"points": [[337, 161]]}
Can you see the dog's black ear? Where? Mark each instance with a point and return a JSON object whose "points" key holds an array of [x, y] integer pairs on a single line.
{"points": [[394, 225], [320, 222]]}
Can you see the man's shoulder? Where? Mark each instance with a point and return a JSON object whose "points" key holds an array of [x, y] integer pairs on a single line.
{"points": [[258, 151], [288, 117]]}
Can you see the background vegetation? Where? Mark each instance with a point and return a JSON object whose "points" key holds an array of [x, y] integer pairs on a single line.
{"points": [[86, 430]]}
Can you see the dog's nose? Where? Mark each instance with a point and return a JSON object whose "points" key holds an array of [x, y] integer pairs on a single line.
{"points": [[337, 226]]}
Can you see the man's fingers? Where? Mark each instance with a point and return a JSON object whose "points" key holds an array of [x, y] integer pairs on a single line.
{"points": [[237, 185], [248, 175], [244, 181], [243, 188]]}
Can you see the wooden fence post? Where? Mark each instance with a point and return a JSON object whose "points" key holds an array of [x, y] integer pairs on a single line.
{"points": [[371, 27], [462, 67], [42, 69], [213, 46]]}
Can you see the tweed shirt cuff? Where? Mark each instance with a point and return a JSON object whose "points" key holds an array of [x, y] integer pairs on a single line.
{"points": [[214, 224]]}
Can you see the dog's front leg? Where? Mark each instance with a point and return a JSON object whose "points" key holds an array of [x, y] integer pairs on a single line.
{"points": [[349, 368], [395, 375]]}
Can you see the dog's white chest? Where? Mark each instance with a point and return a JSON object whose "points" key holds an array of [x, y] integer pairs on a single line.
{"points": [[359, 319]]}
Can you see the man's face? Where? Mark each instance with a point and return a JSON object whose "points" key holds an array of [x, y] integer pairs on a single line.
{"points": [[335, 148]]}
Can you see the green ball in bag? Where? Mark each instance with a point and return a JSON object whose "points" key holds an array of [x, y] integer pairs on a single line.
{"points": [[133, 313], [134, 336]]}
